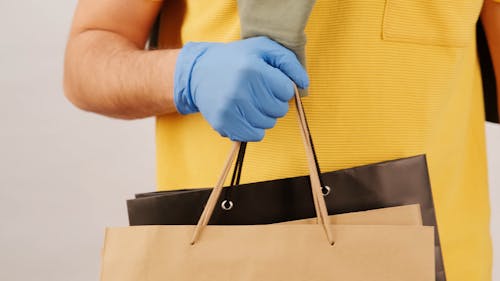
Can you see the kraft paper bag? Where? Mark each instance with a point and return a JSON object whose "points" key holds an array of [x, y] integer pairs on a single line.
{"points": [[260, 253], [114, 261], [269, 252], [294, 252]]}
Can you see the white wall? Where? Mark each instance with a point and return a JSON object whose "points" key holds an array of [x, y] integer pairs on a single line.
{"points": [[493, 141], [64, 175]]}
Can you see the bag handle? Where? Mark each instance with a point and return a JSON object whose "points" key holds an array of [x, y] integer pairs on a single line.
{"points": [[316, 189], [227, 204]]}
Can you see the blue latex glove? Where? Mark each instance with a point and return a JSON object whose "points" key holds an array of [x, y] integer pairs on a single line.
{"points": [[240, 88]]}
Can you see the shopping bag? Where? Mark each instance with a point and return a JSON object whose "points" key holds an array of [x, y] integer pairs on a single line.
{"points": [[319, 251], [391, 183], [269, 252]]}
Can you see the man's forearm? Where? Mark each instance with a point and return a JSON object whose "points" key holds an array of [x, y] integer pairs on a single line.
{"points": [[491, 21], [107, 74]]}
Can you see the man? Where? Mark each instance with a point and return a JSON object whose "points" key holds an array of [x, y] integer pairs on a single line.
{"points": [[386, 79]]}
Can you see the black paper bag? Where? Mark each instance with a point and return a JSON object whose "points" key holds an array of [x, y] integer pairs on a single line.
{"points": [[386, 184]]}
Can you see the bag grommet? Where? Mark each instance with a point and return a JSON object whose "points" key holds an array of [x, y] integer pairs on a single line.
{"points": [[227, 205], [326, 190]]}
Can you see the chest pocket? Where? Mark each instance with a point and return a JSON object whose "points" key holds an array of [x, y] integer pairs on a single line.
{"points": [[449, 23]]}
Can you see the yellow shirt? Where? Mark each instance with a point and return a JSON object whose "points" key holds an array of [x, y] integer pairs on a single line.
{"points": [[389, 79]]}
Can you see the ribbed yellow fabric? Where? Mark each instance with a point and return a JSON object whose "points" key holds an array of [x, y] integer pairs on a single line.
{"points": [[389, 79]]}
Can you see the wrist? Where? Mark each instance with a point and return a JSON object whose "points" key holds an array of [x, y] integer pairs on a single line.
{"points": [[186, 60]]}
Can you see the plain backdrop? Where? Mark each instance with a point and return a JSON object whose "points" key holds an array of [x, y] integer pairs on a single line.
{"points": [[65, 174]]}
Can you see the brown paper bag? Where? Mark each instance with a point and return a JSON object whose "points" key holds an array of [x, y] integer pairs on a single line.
{"points": [[403, 215], [270, 252]]}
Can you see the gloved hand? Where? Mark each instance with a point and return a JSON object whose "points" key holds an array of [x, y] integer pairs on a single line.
{"points": [[240, 88]]}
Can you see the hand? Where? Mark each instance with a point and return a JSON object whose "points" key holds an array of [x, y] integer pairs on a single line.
{"points": [[240, 88]]}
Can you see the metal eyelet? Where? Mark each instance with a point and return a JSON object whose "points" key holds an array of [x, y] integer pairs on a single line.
{"points": [[227, 205], [327, 189]]}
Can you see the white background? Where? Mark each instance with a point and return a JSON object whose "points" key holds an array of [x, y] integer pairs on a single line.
{"points": [[65, 174]]}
